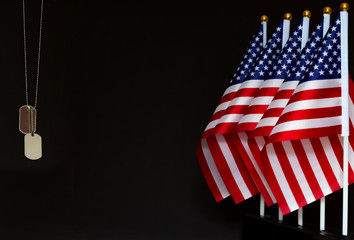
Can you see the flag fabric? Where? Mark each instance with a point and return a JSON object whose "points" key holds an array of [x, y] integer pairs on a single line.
{"points": [[303, 156], [281, 98], [258, 105], [243, 97], [211, 147], [253, 140], [225, 162]]}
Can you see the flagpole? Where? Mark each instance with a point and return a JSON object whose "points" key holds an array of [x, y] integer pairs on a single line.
{"points": [[326, 23], [264, 21], [345, 110], [305, 35], [286, 33]]}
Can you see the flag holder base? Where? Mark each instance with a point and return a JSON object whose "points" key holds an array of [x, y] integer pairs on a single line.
{"points": [[256, 227]]}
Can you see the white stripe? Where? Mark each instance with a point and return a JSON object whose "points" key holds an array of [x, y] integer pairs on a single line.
{"points": [[270, 121], [262, 100], [316, 167], [289, 85], [244, 141], [251, 84], [307, 124], [251, 118], [230, 118], [332, 159], [213, 169], [298, 172], [272, 83], [278, 103], [318, 84], [280, 178], [313, 104], [233, 166], [232, 88], [222, 106], [211, 124], [241, 101]]}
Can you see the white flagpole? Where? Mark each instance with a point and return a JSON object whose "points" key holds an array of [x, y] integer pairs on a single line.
{"points": [[285, 37], [326, 23], [305, 36], [264, 20], [345, 110]]}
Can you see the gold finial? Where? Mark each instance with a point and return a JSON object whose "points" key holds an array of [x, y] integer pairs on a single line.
{"points": [[306, 13], [264, 18], [288, 16], [327, 10], [344, 6]]}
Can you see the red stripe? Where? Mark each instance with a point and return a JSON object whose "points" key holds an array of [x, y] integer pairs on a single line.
{"points": [[241, 165], [251, 168], [273, 182], [224, 170], [256, 109], [262, 131], [316, 94], [311, 114], [267, 91], [247, 126], [207, 174], [324, 163], [273, 112], [284, 94], [289, 174], [307, 169], [304, 133]]}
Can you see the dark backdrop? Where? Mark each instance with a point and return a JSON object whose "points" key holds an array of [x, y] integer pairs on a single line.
{"points": [[126, 89]]}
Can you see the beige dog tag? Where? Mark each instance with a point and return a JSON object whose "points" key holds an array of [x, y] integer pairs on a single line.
{"points": [[33, 146]]}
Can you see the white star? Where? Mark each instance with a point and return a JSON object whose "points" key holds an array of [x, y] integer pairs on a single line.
{"points": [[318, 38], [312, 44], [278, 72], [325, 53], [325, 66], [261, 73], [330, 71], [311, 74], [321, 72], [298, 74], [283, 67], [278, 29], [288, 61], [320, 60], [303, 68]]}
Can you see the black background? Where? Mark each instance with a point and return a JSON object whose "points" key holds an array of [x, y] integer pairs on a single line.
{"points": [[126, 90]]}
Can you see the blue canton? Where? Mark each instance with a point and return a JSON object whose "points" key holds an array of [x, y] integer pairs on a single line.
{"points": [[327, 62], [288, 55], [253, 51], [268, 56], [307, 54]]}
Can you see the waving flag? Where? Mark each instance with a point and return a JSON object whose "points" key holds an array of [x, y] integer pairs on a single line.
{"points": [[211, 147], [243, 97], [281, 98], [259, 104], [303, 156]]}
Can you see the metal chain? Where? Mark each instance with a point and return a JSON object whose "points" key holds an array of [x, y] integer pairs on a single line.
{"points": [[25, 51], [31, 115]]}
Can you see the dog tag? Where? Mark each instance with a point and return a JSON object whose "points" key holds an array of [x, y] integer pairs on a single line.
{"points": [[33, 146], [27, 119]]}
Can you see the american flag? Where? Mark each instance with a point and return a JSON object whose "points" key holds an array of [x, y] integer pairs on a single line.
{"points": [[281, 98], [236, 176], [303, 156], [243, 97], [252, 142], [257, 107]]}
